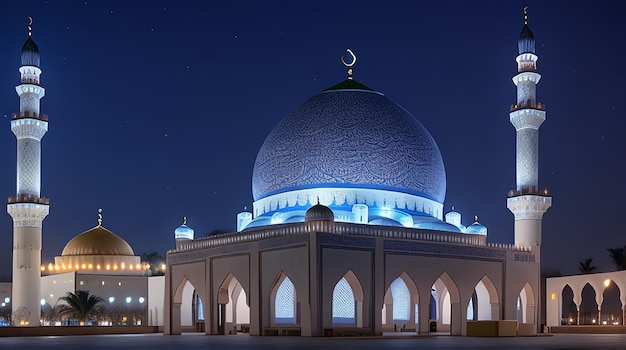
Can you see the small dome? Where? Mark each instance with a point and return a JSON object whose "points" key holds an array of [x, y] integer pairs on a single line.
{"points": [[526, 42], [439, 226], [184, 232], [97, 241], [319, 212], [30, 53], [476, 228]]}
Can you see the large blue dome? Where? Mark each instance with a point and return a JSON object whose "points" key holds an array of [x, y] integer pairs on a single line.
{"points": [[350, 136]]}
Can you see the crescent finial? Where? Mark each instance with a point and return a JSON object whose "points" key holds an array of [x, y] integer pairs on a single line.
{"points": [[184, 220], [100, 217], [349, 65], [525, 14], [30, 28]]}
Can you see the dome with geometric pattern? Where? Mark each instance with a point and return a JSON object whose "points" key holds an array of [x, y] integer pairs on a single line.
{"points": [[345, 145], [354, 137]]}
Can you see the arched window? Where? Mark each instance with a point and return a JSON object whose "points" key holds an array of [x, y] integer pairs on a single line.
{"points": [[401, 300], [200, 309], [433, 304], [343, 303], [285, 303]]}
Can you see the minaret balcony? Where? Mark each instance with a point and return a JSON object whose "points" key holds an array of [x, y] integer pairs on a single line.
{"points": [[528, 191], [526, 105], [28, 198], [30, 115]]}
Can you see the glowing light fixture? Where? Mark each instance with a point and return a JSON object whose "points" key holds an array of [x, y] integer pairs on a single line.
{"points": [[141, 300], [128, 300], [607, 282], [42, 302], [111, 299]]}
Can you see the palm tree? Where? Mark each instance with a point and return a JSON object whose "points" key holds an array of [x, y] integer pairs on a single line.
{"points": [[586, 266], [618, 257], [80, 305]]}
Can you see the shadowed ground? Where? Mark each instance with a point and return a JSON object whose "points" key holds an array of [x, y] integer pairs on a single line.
{"points": [[199, 341]]}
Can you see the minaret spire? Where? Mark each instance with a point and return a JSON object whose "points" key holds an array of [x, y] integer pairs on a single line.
{"points": [[349, 64], [527, 202], [27, 207], [30, 28]]}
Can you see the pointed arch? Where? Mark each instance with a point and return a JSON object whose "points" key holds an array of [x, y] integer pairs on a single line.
{"points": [[185, 296], [590, 305], [612, 307], [527, 306], [400, 303], [347, 301], [283, 301], [485, 302], [568, 307], [448, 304], [233, 308]]}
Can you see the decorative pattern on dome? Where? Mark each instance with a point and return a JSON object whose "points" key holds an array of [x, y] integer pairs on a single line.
{"points": [[353, 139]]}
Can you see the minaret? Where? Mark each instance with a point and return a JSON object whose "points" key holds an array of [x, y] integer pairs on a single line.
{"points": [[527, 203], [28, 208]]}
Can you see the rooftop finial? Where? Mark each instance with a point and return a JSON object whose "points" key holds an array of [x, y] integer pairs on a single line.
{"points": [[475, 218], [100, 217], [318, 200], [184, 220], [525, 15], [30, 28], [348, 65]]}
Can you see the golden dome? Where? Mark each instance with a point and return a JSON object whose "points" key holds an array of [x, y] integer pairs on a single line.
{"points": [[97, 241]]}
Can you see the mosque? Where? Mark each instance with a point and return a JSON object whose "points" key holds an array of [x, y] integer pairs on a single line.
{"points": [[97, 260], [348, 235]]}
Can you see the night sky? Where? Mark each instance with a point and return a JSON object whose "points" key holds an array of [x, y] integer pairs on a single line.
{"points": [[157, 109]]}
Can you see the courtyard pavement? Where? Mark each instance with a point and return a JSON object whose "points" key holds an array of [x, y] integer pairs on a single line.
{"points": [[241, 342], [200, 341]]}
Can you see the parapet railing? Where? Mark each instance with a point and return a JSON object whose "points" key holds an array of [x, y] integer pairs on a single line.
{"points": [[539, 106], [28, 198], [32, 115], [281, 230]]}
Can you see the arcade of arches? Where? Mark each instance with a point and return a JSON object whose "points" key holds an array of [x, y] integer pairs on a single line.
{"points": [[311, 286], [588, 299]]}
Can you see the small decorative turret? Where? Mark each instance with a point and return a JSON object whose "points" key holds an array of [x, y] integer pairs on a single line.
{"points": [[184, 232], [243, 219], [319, 212], [476, 228]]}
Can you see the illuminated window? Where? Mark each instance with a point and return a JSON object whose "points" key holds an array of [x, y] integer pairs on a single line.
{"points": [[285, 302], [401, 300], [200, 312], [343, 303]]}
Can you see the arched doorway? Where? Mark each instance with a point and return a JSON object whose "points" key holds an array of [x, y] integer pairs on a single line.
{"points": [[445, 310], [569, 310], [526, 305], [347, 302], [612, 308], [589, 312], [233, 311], [186, 308], [400, 307], [484, 303]]}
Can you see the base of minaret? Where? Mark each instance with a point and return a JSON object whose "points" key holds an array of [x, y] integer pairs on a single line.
{"points": [[26, 284], [528, 210]]}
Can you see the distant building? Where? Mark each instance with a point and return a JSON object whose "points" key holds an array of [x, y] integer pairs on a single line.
{"points": [[347, 234]]}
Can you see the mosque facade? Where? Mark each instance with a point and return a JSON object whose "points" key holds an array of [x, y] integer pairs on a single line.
{"points": [[348, 235]]}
